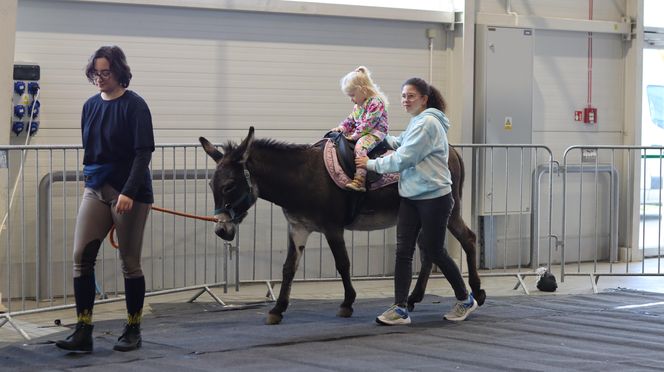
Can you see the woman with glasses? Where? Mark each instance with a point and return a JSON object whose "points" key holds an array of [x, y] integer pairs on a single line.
{"points": [[425, 187], [118, 142]]}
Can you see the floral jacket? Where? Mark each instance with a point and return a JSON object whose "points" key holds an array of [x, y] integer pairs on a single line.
{"points": [[368, 118]]}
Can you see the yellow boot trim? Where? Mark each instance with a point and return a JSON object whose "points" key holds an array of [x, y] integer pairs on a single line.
{"points": [[85, 317], [135, 318]]}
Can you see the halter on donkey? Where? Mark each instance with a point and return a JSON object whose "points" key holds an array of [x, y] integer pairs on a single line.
{"points": [[294, 178]]}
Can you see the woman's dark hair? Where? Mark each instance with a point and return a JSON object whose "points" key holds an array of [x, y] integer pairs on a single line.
{"points": [[116, 59], [435, 100]]}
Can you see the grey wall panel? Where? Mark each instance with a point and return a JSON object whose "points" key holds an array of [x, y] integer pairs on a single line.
{"points": [[205, 70], [602, 10], [561, 84]]}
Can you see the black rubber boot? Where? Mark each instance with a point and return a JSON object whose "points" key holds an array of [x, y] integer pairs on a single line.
{"points": [[79, 341], [130, 339]]}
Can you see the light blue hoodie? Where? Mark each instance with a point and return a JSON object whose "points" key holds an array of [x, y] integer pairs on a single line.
{"points": [[420, 158]]}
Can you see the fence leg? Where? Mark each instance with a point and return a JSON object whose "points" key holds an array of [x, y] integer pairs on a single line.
{"points": [[521, 283], [203, 290], [593, 281], [270, 292], [8, 319]]}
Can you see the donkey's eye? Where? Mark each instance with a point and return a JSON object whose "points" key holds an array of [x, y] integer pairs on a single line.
{"points": [[228, 189]]}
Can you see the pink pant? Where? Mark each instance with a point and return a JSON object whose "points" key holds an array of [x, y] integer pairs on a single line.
{"points": [[363, 145]]}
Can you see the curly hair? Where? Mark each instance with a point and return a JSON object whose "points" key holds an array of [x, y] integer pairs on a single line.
{"points": [[116, 59]]}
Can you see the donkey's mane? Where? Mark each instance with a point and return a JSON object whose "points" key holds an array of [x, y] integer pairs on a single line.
{"points": [[270, 144]]}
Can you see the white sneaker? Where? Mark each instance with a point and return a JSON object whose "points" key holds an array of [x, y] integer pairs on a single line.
{"points": [[395, 315], [462, 309]]}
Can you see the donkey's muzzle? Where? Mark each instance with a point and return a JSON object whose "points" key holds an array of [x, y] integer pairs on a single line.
{"points": [[225, 231]]}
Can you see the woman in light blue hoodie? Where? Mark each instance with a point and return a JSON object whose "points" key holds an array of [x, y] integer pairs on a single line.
{"points": [[425, 187]]}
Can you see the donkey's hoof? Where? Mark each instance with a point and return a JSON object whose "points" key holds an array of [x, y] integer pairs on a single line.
{"points": [[345, 312], [412, 300], [273, 319], [480, 297]]}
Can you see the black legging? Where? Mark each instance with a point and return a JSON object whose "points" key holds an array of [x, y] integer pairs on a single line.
{"points": [[428, 218]]}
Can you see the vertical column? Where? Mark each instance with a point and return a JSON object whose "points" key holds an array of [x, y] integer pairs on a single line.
{"points": [[629, 206], [7, 40]]}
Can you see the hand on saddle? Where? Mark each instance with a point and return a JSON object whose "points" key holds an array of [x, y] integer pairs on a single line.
{"points": [[336, 129], [361, 161]]}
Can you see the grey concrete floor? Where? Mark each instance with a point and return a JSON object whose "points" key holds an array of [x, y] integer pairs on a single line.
{"points": [[46, 323], [572, 329]]}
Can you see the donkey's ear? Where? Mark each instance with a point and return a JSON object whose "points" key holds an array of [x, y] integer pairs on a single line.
{"points": [[209, 148], [246, 145]]}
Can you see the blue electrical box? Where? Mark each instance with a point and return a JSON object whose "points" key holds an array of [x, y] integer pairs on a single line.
{"points": [[25, 99]]}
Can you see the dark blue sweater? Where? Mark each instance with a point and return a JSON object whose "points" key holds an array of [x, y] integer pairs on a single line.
{"points": [[119, 132]]}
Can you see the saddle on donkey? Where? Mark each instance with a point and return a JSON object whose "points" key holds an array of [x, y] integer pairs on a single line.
{"points": [[339, 159]]}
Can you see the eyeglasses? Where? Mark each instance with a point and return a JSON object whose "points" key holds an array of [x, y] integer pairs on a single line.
{"points": [[409, 97], [103, 74]]}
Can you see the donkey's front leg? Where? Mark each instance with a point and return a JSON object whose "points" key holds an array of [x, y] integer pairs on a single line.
{"points": [[338, 246], [297, 239]]}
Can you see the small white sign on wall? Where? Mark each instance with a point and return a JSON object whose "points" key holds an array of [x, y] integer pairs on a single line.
{"points": [[588, 155]]}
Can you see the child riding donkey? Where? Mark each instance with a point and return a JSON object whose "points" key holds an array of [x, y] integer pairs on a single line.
{"points": [[367, 123]]}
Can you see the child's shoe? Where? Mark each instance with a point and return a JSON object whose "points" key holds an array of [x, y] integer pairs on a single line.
{"points": [[357, 184]]}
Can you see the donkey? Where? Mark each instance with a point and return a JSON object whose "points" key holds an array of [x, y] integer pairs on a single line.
{"points": [[294, 177]]}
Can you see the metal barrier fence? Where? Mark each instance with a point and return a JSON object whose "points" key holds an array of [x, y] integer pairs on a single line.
{"points": [[609, 241], [44, 186], [511, 201], [506, 195]]}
